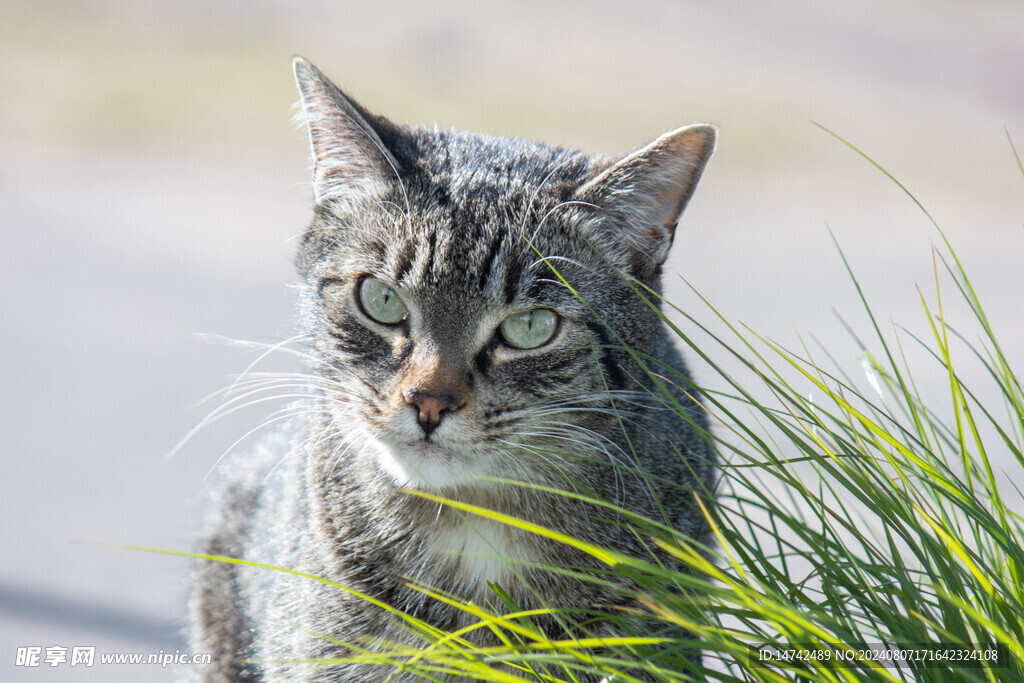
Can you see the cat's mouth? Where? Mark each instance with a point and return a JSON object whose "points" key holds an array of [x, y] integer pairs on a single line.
{"points": [[419, 464], [427, 465], [427, 451]]}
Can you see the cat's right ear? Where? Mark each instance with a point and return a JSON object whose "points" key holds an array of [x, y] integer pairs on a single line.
{"points": [[351, 162]]}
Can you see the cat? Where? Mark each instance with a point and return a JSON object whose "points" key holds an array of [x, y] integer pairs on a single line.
{"points": [[466, 300]]}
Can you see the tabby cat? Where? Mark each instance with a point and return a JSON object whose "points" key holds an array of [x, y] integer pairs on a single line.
{"points": [[466, 301]]}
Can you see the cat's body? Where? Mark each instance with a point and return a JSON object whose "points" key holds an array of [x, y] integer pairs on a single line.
{"points": [[447, 350]]}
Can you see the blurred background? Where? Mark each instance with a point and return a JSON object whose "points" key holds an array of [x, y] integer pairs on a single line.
{"points": [[152, 185]]}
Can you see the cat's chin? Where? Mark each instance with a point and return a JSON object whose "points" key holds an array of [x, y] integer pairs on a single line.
{"points": [[423, 466]]}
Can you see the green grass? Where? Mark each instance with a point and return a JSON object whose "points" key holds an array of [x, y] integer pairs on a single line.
{"points": [[864, 517]]}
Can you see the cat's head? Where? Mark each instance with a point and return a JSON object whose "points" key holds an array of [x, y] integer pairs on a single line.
{"points": [[464, 290]]}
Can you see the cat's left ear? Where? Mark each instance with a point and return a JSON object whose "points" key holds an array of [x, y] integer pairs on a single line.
{"points": [[351, 156], [633, 206]]}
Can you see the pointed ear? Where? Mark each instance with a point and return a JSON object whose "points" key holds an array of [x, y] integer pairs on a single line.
{"points": [[350, 159], [635, 204]]}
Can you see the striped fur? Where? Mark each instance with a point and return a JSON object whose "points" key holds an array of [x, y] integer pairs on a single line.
{"points": [[467, 230]]}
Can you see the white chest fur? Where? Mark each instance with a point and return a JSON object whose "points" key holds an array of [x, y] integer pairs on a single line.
{"points": [[475, 551]]}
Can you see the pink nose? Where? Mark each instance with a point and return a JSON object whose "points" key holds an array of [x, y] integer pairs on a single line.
{"points": [[431, 407]]}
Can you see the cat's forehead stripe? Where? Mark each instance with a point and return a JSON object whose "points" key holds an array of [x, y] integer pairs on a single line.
{"points": [[513, 274], [426, 259], [489, 258], [403, 259]]}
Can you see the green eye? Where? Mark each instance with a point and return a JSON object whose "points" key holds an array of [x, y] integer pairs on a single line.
{"points": [[529, 329], [380, 302]]}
